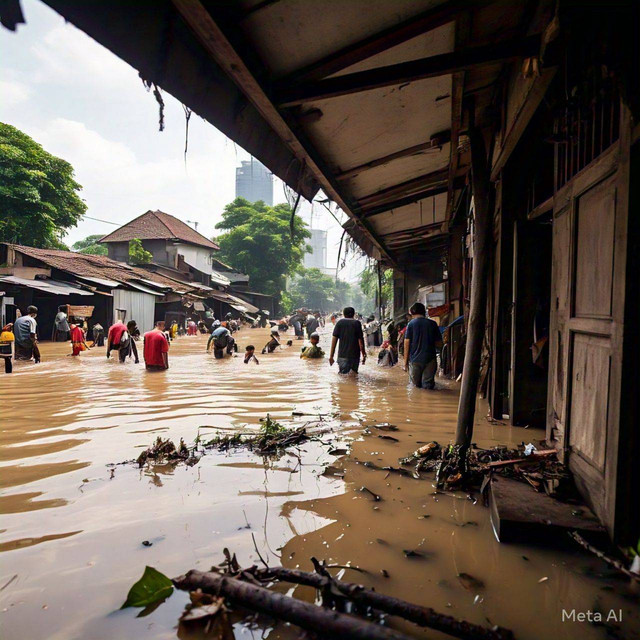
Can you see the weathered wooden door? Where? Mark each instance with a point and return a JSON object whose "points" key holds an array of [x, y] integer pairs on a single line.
{"points": [[587, 314]]}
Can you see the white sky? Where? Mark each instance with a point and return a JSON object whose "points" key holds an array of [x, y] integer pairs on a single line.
{"points": [[82, 103]]}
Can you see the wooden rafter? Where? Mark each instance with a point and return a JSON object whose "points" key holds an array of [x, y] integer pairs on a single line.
{"points": [[431, 67], [371, 46], [435, 142], [410, 187], [218, 46]]}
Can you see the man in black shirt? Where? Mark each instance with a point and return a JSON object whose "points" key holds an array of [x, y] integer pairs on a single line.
{"points": [[348, 331]]}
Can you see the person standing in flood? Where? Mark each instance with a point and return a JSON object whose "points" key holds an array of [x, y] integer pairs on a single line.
{"points": [[61, 327], [98, 335], [130, 348], [7, 340], [78, 340], [26, 332], [116, 340], [156, 348], [312, 324], [348, 331], [421, 340]]}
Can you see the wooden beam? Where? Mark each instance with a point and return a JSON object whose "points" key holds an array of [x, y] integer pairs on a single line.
{"points": [[436, 142], [215, 42], [412, 230], [482, 237], [463, 27], [421, 69], [541, 209], [382, 41], [402, 202], [434, 179]]}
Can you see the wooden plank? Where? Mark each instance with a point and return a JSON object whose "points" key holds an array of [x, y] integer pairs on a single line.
{"points": [[541, 209], [522, 118], [402, 202], [520, 513], [382, 41], [434, 179], [435, 142], [223, 53], [421, 69]]}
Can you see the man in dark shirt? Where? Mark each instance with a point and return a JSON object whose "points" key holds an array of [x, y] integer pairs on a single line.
{"points": [[348, 331], [421, 340]]}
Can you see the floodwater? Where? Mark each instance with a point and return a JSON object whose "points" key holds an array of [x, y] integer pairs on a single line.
{"points": [[72, 526]]}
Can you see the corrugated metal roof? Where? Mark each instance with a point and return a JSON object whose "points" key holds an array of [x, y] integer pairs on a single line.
{"points": [[55, 287]]}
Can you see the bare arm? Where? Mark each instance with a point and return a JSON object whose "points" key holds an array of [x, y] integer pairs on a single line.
{"points": [[363, 351], [407, 344], [334, 342]]}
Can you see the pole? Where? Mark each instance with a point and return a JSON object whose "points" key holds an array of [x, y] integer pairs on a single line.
{"points": [[379, 292], [477, 311]]}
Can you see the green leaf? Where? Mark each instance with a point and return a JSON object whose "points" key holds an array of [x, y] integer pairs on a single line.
{"points": [[153, 586]]}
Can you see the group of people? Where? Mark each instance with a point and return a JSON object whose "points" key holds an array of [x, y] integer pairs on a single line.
{"points": [[417, 343]]}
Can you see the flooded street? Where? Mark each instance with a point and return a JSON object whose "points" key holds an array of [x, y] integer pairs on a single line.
{"points": [[72, 527]]}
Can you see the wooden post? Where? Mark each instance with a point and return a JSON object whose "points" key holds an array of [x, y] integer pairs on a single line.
{"points": [[477, 311]]}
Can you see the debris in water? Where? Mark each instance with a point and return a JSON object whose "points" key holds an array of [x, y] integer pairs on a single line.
{"points": [[388, 438], [147, 543], [164, 451], [152, 587], [469, 582], [375, 496], [543, 579]]}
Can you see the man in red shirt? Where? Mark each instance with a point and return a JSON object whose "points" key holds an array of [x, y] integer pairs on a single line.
{"points": [[156, 348], [113, 339]]}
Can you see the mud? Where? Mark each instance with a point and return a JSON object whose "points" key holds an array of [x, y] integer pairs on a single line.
{"points": [[72, 527]]}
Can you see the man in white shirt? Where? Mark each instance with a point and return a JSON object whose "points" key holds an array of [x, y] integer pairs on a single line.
{"points": [[26, 332]]}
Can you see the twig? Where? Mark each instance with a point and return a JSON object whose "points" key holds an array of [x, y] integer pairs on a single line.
{"points": [[422, 616], [255, 546], [327, 623], [616, 564]]}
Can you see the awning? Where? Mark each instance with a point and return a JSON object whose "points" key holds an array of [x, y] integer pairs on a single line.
{"points": [[235, 303], [55, 287], [139, 287], [112, 284], [198, 306]]}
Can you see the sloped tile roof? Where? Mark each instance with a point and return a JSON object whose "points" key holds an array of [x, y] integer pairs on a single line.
{"points": [[157, 225], [87, 265]]}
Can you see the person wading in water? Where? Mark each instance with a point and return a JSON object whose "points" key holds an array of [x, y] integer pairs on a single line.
{"points": [[420, 342], [156, 348], [348, 331]]}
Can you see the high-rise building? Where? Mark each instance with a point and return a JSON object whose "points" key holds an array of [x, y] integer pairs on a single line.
{"points": [[254, 182], [318, 257]]}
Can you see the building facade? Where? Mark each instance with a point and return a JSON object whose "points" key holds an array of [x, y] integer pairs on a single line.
{"points": [[254, 182]]}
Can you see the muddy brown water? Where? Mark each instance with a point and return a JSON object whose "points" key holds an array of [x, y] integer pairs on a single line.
{"points": [[72, 529]]}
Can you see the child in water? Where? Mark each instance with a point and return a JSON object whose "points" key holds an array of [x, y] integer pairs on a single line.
{"points": [[313, 350], [250, 354], [273, 343]]}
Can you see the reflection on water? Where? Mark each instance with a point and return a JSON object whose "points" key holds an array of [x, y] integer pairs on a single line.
{"points": [[73, 527]]}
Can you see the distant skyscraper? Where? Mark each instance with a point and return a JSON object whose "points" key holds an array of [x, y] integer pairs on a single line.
{"points": [[318, 242], [254, 182]]}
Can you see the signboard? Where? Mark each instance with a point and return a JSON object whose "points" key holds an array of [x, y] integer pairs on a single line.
{"points": [[80, 310]]}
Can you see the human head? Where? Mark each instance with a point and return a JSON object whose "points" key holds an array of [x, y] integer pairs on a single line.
{"points": [[289, 343], [8, 327], [418, 309], [250, 348], [132, 325], [62, 307], [348, 312], [160, 325], [32, 311], [314, 338]]}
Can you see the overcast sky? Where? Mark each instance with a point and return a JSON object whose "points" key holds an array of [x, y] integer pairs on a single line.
{"points": [[82, 103]]}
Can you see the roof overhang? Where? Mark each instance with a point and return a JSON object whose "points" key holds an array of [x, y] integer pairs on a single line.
{"points": [[366, 105]]}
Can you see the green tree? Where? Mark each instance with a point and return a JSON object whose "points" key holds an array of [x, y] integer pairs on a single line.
{"points": [[369, 285], [314, 290], [137, 253], [39, 197], [257, 241], [90, 245]]}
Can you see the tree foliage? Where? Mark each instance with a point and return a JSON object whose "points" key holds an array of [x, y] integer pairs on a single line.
{"points": [[257, 241], [369, 284], [38, 194], [314, 290], [138, 254], [90, 245]]}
